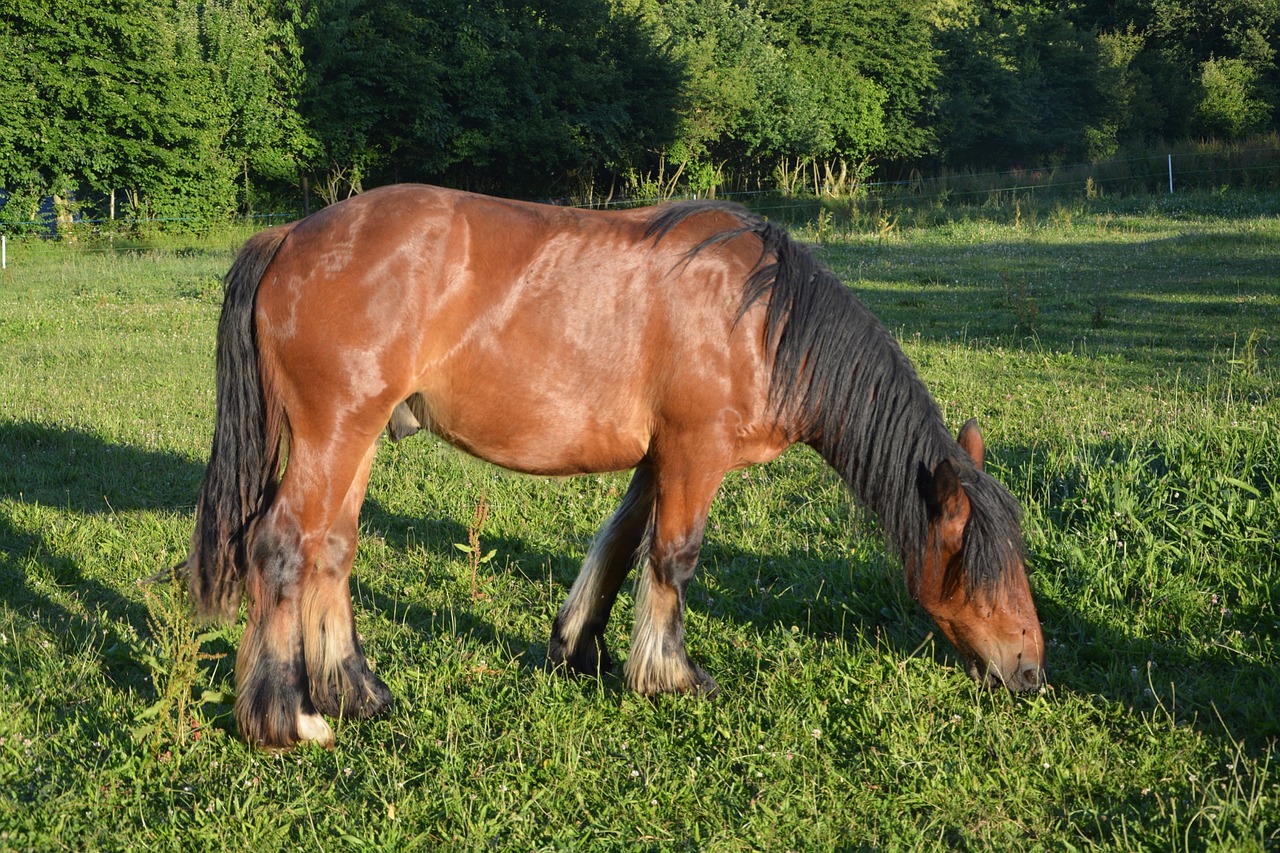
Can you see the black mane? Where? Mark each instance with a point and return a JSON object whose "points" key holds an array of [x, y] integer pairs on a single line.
{"points": [[843, 379]]}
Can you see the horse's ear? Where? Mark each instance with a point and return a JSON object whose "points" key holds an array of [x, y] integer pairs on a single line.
{"points": [[970, 440], [947, 502], [942, 492]]}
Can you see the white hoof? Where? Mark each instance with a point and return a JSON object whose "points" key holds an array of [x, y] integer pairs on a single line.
{"points": [[312, 728]]}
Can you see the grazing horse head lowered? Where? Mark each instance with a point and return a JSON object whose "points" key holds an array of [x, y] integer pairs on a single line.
{"points": [[683, 341]]}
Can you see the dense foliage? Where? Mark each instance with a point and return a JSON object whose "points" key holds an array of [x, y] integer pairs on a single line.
{"points": [[179, 108]]}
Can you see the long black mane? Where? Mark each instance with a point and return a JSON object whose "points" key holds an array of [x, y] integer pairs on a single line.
{"points": [[856, 398]]}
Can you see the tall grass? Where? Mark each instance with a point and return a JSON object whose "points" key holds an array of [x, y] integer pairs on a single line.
{"points": [[1136, 418]]}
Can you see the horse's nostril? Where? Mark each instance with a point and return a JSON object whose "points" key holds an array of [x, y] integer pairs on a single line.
{"points": [[1030, 677]]}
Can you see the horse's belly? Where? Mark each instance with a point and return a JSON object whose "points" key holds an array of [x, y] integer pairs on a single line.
{"points": [[538, 436]]}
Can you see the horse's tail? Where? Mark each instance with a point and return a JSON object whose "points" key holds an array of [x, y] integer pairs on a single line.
{"points": [[244, 464]]}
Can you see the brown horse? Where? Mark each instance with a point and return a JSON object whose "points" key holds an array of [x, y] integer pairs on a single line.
{"points": [[684, 341]]}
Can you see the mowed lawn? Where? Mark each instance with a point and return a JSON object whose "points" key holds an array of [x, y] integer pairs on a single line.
{"points": [[1121, 356]]}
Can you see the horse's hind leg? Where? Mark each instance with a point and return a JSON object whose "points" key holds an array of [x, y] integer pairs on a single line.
{"points": [[577, 637], [340, 679], [658, 661], [273, 700], [301, 549]]}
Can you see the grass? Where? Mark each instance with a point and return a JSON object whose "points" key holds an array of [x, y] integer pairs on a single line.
{"points": [[1133, 412]]}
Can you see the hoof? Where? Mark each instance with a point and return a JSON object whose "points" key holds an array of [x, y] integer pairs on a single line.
{"points": [[279, 732], [590, 658], [676, 674], [312, 728], [273, 709], [703, 685], [376, 700], [356, 693]]}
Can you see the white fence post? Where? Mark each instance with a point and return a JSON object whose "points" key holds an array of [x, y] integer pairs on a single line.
{"points": [[1170, 174]]}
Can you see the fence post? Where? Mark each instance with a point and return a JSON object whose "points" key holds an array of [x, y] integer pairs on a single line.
{"points": [[4, 252], [1170, 174]]}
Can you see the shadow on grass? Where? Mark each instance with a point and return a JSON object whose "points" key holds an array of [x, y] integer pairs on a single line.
{"points": [[441, 535], [82, 474]]}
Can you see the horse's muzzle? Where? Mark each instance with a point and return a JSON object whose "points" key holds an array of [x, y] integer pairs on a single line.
{"points": [[1025, 677]]}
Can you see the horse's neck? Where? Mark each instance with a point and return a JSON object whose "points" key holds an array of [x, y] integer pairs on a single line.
{"points": [[890, 428]]}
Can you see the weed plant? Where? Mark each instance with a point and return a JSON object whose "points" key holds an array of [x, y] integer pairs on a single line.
{"points": [[1143, 447]]}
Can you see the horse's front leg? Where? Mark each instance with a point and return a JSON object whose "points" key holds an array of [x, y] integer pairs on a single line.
{"points": [[577, 637], [659, 662]]}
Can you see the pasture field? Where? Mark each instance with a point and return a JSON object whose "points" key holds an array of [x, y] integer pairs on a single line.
{"points": [[1122, 359]]}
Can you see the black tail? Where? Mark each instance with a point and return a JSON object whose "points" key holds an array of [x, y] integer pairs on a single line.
{"points": [[244, 463]]}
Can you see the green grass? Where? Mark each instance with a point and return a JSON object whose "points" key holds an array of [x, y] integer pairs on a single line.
{"points": [[1122, 359]]}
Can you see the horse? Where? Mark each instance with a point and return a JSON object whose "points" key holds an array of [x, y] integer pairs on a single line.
{"points": [[682, 341]]}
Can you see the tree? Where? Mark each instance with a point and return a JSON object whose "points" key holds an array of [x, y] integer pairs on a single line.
{"points": [[115, 95], [742, 103], [22, 123], [1230, 107], [1125, 107], [522, 96], [250, 52], [1225, 53], [875, 63], [1020, 85], [1181, 84], [797, 81]]}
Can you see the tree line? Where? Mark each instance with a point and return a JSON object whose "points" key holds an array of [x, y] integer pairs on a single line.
{"points": [[204, 109]]}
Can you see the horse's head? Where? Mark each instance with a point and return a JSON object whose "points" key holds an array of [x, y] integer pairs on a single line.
{"points": [[985, 610]]}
